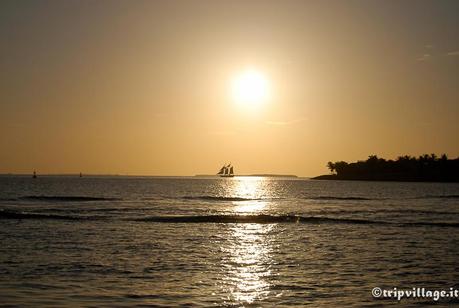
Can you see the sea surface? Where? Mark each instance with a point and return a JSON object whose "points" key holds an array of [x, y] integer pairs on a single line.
{"points": [[242, 241]]}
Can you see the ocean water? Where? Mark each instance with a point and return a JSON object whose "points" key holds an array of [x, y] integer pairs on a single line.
{"points": [[243, 241]]}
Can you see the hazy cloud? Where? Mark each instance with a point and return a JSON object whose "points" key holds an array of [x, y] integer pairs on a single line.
{"points": [[453, 53], [429, 56], [424, 57], [223, 133], [284, 123]]}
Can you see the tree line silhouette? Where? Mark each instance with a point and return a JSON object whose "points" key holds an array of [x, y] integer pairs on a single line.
{"points": [[428, 168]]}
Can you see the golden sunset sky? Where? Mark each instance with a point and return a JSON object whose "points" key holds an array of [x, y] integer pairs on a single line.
{"points": [[148, 87]]}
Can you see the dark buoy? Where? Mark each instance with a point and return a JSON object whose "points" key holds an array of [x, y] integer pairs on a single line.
{"points": [[34, 174], [81, 175]]}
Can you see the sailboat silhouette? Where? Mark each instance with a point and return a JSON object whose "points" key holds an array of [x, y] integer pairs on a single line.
{"points": [[226, 171]]}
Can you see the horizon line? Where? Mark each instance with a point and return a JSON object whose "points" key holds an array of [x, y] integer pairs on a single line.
{"points": [[146, 175]]}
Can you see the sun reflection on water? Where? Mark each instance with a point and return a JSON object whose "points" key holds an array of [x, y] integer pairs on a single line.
{"points": [[254, 190], [249, 207], [247, 254], [249, 187], [247, 263]]}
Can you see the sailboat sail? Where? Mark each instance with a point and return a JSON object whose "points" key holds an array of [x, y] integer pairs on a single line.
{"points": [[226, 171]]}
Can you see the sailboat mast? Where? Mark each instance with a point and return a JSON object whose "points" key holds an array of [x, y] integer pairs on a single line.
{"points": [[222, 170]]}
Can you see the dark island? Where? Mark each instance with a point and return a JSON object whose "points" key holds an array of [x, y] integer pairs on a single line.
{"points": [[425, 168]]}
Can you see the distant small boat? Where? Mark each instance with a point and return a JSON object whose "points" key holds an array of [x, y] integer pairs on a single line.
{"points": [[226, 171], [34, 174]]}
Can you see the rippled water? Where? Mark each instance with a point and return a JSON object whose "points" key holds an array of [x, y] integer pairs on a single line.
{"points": [[245, 241]]}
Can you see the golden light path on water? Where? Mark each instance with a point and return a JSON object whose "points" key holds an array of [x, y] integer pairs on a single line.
{"points": [[248, 252], [250, 188]]}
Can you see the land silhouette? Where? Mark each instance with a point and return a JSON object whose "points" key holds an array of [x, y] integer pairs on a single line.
{"points": [[425, 168]]}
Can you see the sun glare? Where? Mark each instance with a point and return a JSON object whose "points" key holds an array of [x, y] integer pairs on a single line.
{"points": [[250, 88]]}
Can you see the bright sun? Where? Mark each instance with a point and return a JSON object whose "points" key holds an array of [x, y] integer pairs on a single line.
{"points": [[250, 88]]}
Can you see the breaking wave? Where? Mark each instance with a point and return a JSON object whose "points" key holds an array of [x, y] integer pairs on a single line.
{"points": [[338, 198], [8, 199], [67, 198], [281, 219], [440, 197], [219, 198], [260, 219], [21, 215]]}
